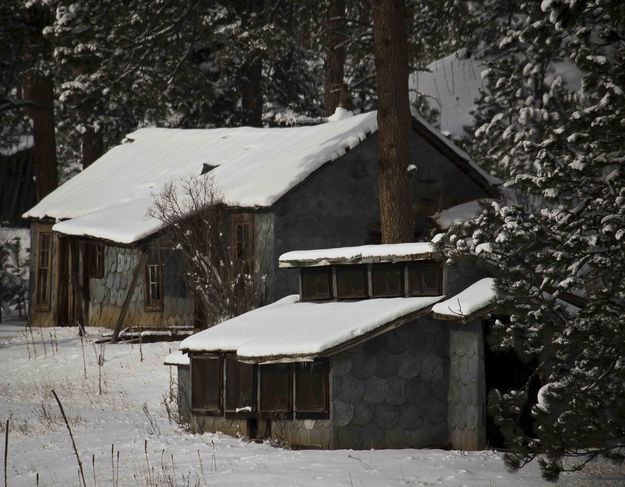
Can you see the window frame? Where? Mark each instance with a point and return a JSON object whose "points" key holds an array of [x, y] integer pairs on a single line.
{"points": [[231, 412], [44, 300], [339, 269], [246, 221], [151, 304], [429, 291], [402, 279], [95, 260], [218, 410], [318, 270], [313, 413], [273, 413]]}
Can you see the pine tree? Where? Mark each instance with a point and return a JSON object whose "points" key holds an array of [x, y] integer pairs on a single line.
{"points": [[559, 258]]}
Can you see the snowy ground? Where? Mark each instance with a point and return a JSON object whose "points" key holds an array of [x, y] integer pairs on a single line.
{"points": [[130, 418]]}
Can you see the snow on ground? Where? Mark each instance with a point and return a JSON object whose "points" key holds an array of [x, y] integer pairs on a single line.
{"points": [[130, 417]]}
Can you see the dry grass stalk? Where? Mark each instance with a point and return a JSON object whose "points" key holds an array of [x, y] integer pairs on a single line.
{"points": [[71, 436], [6, 452]]}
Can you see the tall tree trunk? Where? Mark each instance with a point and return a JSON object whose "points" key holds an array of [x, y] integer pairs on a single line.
{"points": [[391, 67], [335, 56], [252, 97], [38, 89], [92, 146]]}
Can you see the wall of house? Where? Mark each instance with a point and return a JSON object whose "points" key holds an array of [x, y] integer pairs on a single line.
{"points": [[107, 294], [338, 205], [467, 386], [391, 391], [335, 207]]}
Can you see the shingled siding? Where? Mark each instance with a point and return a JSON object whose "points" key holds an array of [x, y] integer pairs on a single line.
{"points": [[391, 392], [335, 207], [108, 293]]}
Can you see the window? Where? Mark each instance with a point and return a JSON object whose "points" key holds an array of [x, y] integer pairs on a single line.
{"points": [[95, 259], [311, 387], [275, 388], [425, 279], [43, 269], [387, 280], [316, 283], [243, 236], [154, 280], [351, 281], [206, 378], [240, 386]]}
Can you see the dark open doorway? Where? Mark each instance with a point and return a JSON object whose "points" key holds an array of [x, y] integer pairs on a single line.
{"points": [[504, 371]]}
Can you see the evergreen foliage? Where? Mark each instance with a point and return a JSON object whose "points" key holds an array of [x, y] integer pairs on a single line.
{"points": [[556, 248]]}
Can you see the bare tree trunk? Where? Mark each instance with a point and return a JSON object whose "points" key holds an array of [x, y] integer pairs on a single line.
{"points": [[335, 56], [391, 66], [92, 147], [38, 89], [252, 97]]}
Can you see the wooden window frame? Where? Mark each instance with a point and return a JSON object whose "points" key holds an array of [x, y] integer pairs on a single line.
{"points": [[317, 297], [425, 292], [149, 303], [218, 411], [228, 412], [44, 301], [95, 259], [402, 279], [275, 413], [323, 413], [245, 220], [347, 268]]}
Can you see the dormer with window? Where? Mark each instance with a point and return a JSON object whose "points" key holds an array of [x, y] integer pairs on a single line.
{"points": [[370, 271]]}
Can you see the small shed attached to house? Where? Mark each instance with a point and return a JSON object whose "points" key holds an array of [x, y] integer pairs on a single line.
{"points": [[382, 348]]}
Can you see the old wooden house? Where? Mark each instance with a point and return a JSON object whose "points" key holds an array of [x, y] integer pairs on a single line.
{"points": [[383, 347], [97, 255]]}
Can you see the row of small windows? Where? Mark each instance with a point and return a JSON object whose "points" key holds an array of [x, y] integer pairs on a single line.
{"points": [[223, 385], [377, 280]]}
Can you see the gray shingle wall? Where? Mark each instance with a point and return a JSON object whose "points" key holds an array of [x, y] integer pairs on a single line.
{"points": [[391, 392]]}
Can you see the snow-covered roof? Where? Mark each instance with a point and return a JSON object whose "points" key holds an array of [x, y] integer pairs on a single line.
{"points": [[254, 168], [177, 358], [475, 299], [293, 330], [452, 84], [459, 213], [358, 255]]}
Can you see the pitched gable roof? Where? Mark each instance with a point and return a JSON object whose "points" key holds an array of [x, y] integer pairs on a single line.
{"points": [[250, 167]]}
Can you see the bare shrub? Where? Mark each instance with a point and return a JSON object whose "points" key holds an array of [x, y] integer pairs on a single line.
{"points": [[198, 226]]}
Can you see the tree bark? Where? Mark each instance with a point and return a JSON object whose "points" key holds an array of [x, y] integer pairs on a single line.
{"points": [[92, 147], [335, 56], [38, 89], [391, 66], [252, 97]]}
